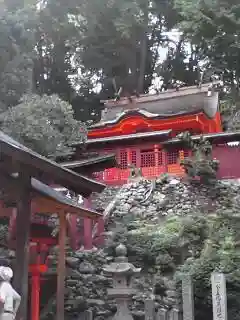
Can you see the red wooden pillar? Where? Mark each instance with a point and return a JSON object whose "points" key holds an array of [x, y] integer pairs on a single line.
{"points": [[87, 229], [164, 159], [35, 293], [36, 270], [23, 223]]}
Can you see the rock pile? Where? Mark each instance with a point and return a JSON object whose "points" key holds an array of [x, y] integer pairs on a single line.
{"points": [[99, 202], [153, 202], [168, 196], [87, 286]]}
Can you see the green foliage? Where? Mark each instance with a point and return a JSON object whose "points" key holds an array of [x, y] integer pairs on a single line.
{"points": [[200, 166], [213, 26], [181, 67], [45, 124], [219, 253], [119, 38], [17, 42], [162, 247], [197, 245], [70, 48]]}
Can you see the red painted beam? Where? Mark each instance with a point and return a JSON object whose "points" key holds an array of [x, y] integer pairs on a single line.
{"points": [[133, 124]]}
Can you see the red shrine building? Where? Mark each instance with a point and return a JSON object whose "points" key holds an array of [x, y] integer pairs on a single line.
{"points": [[142, 132]]}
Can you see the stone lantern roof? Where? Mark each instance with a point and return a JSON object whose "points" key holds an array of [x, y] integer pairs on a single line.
{"points": [[121, 266]]}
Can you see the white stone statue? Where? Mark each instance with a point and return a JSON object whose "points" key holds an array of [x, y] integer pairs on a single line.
{"points": [[9, 298]]}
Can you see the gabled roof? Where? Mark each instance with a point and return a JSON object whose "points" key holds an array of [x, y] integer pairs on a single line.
{"points": [[124, 114], [164, 95], [43, 166], [170, 103], [143, 114]]}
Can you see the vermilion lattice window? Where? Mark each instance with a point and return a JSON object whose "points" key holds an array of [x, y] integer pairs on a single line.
{"points": [[160, 158], [123, 161], [133, 157], [172, 157], [147, 159]]}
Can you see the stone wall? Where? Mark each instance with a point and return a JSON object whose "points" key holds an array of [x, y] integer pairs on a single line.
{"points": [[152, 202], [148, 201], [172, 196]]}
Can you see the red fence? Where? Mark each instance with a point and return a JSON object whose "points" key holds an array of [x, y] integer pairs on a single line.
{"points": [[153, 163]]}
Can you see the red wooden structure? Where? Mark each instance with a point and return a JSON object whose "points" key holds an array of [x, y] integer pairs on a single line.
{"points": [[142, 131], [41, 240], [22, 196], [154, 163], [191, 108], [80, 229]]}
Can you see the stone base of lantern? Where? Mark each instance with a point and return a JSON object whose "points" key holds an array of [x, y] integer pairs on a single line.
{"points": [[123, 312], [123, 315]]}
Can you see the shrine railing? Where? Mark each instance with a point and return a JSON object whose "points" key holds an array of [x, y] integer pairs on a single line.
{"points": [[152, 164], [155, 163]]}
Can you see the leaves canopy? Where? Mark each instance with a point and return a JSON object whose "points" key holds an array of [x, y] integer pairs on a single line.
{"points": [[44, 124], [213, 26]]}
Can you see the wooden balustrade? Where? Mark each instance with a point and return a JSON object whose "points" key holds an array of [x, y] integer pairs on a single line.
{"points": [[155, 163]]}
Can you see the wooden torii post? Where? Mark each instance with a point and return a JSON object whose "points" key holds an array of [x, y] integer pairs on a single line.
{"points": [[63, 207]]}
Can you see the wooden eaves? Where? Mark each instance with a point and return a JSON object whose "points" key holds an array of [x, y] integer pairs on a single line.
{"points": [[216, 138], [45, 169], [18, 190], [45, 199], [88, 166], [142, 136]]}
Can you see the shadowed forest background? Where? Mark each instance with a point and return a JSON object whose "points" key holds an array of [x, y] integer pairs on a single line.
{"points": [[60, 58]]}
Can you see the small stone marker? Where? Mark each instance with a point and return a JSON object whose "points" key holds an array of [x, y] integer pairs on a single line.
{"points": [[174, 314], [149, 309], [88, 315], [188, 297], [219, 296], [162, 314]]}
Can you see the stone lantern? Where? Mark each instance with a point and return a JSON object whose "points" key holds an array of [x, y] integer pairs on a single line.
{"points": [[122, 272]]}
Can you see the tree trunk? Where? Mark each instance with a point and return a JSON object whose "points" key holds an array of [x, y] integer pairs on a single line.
{"points": [[143, 52]]}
